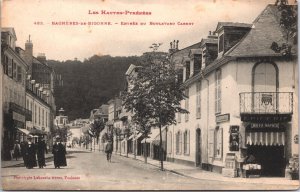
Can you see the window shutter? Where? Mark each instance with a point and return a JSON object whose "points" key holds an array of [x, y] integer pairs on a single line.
{"points": [[211, 149], [221, 142], [14, 70]]}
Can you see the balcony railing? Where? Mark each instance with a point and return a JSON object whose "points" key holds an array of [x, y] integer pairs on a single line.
{"points": [[19, 109], [266, 102]]}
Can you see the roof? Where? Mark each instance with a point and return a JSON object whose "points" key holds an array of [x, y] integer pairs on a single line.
{"points": [[265, 30], [209, 40], [176, 57], [11, 30], [232, 24], [195, 51]]}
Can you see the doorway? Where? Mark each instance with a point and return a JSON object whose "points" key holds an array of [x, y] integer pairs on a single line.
{"points": [[271, 159], [198, 147]]}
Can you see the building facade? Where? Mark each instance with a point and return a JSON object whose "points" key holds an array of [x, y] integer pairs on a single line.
{"points": [[242, 102], [15, 113]]}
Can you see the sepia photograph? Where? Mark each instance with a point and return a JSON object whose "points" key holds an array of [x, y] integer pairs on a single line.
{"points": [[149, 95]]}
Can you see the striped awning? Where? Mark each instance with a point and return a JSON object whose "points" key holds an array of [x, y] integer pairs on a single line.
{"points": [[265, 138]]}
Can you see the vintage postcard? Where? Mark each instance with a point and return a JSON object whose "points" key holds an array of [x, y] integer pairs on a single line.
{"points": [[149, 95]]}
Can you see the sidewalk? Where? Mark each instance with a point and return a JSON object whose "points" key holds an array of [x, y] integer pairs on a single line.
{"points": [[20, 162], [197, 173]]}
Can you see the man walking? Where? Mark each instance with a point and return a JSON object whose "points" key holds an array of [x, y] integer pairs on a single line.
{"points": [[108, 150]]}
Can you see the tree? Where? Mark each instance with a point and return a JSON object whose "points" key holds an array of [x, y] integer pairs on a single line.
{"points": [[155, 94], [288, 21], [97, 126]]}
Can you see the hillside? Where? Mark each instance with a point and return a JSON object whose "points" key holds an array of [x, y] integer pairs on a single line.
{"points": [[89, 84]]}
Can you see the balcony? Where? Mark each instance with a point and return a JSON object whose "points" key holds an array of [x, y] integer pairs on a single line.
{"points": [[266, 103], [21, 110]]}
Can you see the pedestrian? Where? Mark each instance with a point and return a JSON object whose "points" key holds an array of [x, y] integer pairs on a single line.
{"points": [[17, 149], [59, 153], [41, 150], [30, 153], [108, 150], [23, 152]]}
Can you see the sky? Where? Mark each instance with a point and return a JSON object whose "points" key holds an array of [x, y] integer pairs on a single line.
{"points": [[66, 42]]}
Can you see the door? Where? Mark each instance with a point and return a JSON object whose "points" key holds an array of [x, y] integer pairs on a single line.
{"points": [[198, 147]]}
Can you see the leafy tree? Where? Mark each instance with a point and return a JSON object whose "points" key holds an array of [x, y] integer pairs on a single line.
{"points": [[155, 94], [288, 21], [97, 126]]}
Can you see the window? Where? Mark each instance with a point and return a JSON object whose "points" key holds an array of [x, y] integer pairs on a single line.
{"points": [[5, 65], [14, 70], [218, 142], [169, 142], [221, 43], [178, 142], [186, 142], [179, 117], [46, 119], [19, 74], [218, 91], [187, 104], [198, 100], [35, 116], [27, 104], [10, 61], [43, 122], [39, 115]]}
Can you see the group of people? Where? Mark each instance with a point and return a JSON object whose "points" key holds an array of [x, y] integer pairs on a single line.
{"points": [[34, 154]]}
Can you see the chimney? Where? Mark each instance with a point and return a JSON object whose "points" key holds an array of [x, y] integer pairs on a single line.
{"points": [[177, 44], [29, 54], [41, 57]]}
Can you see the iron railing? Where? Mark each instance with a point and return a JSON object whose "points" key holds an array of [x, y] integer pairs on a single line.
{"points": [[266, 102]]}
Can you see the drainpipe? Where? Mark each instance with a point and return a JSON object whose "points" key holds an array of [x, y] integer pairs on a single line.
{"points": [[207, 120]]}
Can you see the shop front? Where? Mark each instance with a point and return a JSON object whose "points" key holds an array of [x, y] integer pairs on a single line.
{"points": [[266, 145]]}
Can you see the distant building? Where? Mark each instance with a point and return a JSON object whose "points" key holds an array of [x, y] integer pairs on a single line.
{"points": [[61, 120]]}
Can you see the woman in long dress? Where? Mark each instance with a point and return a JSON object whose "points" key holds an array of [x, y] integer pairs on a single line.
{"points": [[41, 149], [30, 154], [59, 153]]}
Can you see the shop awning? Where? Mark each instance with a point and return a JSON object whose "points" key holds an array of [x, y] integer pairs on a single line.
{"points": [[154, 133], [265, 138], [36, 131], [25, 131]]}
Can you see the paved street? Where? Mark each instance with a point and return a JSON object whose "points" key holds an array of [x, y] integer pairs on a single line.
{"points": [[90, 170]]}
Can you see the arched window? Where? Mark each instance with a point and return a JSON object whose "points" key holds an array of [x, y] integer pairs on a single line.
{"points": [[265, 77], [264, 87]]}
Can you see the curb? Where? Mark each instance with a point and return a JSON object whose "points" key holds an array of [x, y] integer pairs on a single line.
{"points": [[20, 164], [188, 176]]}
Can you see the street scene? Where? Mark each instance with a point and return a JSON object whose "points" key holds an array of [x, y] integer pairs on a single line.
{"points": [[99, 95], [123, 173]]}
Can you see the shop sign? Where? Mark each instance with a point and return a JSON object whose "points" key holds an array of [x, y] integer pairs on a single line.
{"points": [[270, 118], [18, 117], [264, 125], [222, 118]]}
